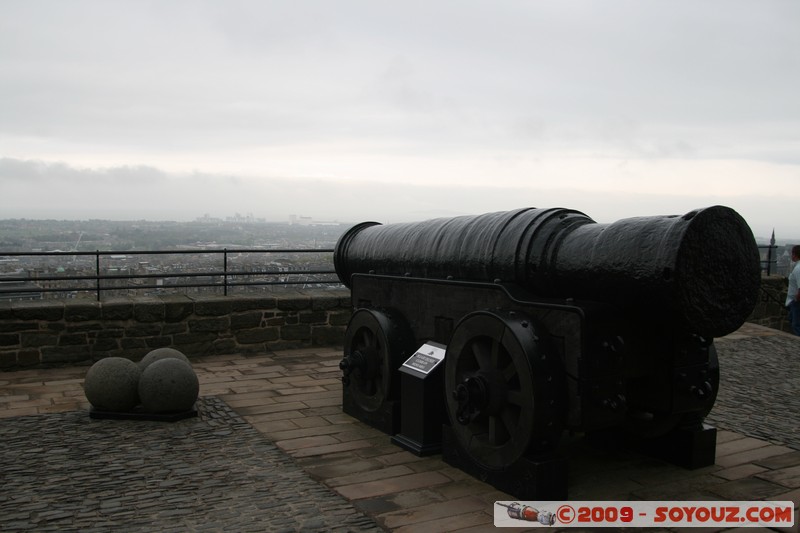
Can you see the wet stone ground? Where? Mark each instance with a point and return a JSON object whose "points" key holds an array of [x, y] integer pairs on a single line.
{"points": [[760, 388], [215, 472]]}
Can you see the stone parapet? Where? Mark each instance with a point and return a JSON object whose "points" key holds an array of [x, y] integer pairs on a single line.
{"points": [[55, 332], [770, 310]]}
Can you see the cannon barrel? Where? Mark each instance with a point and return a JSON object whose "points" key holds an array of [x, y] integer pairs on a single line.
{"points": [[699, 272]]}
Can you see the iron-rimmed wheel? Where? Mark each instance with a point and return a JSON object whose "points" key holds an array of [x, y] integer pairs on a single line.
{"points": [[504, 388], [375, 345]]}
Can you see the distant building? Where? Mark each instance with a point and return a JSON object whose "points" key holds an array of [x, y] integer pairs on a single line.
{"points": [[300, 220], [208, 219], [308, 221]]}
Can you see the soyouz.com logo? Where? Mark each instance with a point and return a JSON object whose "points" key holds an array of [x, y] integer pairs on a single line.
{"points": [[644, 514]]}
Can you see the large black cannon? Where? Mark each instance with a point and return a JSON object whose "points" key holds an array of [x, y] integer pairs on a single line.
{"points": [[551, 321]]}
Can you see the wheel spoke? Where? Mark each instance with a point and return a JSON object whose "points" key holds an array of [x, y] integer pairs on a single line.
{"points": [[370, 339], [498, 431], [496, 346], [509, 371], [516, 397], [475, 442], [509, 420], [479, 353], [362, 338]]}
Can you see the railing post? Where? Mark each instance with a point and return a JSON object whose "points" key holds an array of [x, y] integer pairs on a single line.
{"points": [[769, 260], [97, 271], [225, 270]]}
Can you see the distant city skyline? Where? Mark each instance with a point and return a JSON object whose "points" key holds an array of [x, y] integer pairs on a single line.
{"points": [[298, 220], [357, 110]]}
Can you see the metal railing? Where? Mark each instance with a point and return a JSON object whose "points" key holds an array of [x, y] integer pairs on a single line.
{"points": [[92, 276], [769, 265]]}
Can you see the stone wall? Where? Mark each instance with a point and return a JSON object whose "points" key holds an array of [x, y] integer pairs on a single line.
{"points": [[770, 310], [56, 332]]}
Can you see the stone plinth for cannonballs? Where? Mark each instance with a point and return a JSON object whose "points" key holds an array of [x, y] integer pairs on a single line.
{"points": [[168, 385], [112, 384]]}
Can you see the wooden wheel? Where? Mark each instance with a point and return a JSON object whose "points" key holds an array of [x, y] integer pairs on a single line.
{"points": [[505, 389], [374, 347]]}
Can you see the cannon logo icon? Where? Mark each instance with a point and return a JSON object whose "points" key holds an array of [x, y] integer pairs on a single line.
{"points": [[526, 513], [651, 514]]}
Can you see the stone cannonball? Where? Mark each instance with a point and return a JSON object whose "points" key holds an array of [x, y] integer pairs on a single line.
{"points": [[112, 384], [168, 385], [161, 353]]}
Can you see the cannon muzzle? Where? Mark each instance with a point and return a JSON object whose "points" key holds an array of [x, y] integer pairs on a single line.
{"points": [[699, 272]]}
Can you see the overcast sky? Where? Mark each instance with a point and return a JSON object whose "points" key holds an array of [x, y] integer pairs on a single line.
{"points": [[389, 111]]}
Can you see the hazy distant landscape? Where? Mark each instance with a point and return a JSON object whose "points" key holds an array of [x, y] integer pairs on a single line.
{"points": [[24, 235], [197, 245], [29, 235]]}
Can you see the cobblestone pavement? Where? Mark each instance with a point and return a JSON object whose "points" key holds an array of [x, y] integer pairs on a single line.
{"points": [[68, 472], [759, 388]]}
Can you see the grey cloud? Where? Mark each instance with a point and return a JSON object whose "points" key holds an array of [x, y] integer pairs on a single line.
{"points": [[145, 192], [44, 172], [513, 80], [279, 72]]}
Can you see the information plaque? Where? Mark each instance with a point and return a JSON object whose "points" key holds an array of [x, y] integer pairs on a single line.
{"points": [[426, 358], [422, 410]]}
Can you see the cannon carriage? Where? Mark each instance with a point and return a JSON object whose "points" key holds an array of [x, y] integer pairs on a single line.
{"points": [[551, 322]]}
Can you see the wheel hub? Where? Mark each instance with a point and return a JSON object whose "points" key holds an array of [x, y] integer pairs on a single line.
{"points": [[472, 396], [352, 362]]}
